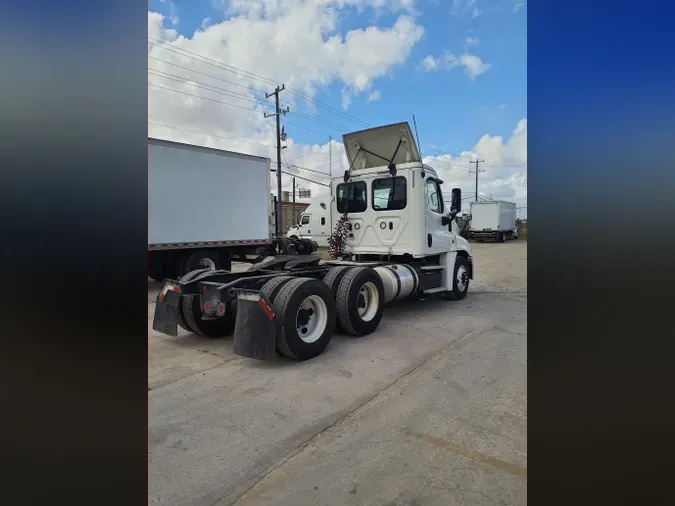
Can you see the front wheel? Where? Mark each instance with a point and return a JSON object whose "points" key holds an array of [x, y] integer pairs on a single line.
{"points": [[460, 280]]}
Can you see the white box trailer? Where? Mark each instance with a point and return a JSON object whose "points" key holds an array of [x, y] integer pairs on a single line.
{"points": [[494, 219], [206, 207]]}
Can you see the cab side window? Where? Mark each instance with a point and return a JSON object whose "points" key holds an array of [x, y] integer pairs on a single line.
{"points": [[434, 197], [305, 220], [323, 220]]}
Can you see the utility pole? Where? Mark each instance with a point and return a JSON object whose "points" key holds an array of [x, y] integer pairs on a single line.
{"points": [[278, 113], [330, 163], [293, 209], [477, 171]]}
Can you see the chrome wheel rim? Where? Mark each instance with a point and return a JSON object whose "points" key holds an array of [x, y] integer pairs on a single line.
{"points": [[462, 278], [368, 301], [311, 319]]}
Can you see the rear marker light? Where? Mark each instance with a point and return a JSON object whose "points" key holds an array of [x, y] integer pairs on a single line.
{"points": [[221, 309], [207, 306]]}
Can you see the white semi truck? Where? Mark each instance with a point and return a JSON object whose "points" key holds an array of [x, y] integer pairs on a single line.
{"points": [[207, 207], [399, 241], [495, 219], [314, 224]]}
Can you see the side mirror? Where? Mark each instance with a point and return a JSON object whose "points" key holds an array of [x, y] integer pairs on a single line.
{"points": [[456, 205], [446, 220]]}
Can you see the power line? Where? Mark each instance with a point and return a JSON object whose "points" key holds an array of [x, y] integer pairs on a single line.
{"points": [[231, 68], [207, 75], [233, 94], [210, 135], [252, 75], [328, 107], [305, 168], [305, 128], [205, 98], [330, 124], [304, 178], [308, 180], [300, 112]]}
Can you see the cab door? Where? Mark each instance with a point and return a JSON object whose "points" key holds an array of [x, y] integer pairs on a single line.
{"points": [[438, 236], [305, 226]]}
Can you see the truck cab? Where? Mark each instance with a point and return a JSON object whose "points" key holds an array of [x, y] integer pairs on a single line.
{"points": [[393, 205], [314, 224]]}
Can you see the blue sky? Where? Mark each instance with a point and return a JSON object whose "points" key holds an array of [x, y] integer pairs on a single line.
{"points": [[452, 111]]}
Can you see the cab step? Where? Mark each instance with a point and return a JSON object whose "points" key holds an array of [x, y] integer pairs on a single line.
{"points": [[434, 290], [432, 268]]}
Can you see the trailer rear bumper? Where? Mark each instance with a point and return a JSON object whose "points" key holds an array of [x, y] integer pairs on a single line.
{"points": [[255, 327]]}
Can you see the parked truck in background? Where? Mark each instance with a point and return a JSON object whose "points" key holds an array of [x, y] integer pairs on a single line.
{"points": [[207, 207], [401, 242], [495, 219], [315, 223]]}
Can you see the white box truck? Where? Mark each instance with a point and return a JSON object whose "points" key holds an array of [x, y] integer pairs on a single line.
{"points": [[398, 240], [207, 207], [494, 219]]}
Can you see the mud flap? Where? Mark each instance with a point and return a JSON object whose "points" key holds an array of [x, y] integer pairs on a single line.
{"points": [[166, 310], [255, 328]]}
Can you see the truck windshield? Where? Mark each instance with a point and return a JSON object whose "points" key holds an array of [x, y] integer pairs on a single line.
{"points": [[351, 197]]}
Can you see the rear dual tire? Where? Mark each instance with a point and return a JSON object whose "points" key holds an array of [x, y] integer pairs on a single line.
{"points": [[360, 301], [305, 312], [332, 280]]}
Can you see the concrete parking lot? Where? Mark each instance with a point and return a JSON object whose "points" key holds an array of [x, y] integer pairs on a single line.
{"points": [[428, 410]]}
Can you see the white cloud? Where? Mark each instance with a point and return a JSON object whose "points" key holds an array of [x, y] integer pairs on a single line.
{"points": [[519, 5], [505, 164], [471, 41], [173, 11], [205, 23], [462, 7], [156, 28], [375, 95], [473, 65], [429, 63], [284, 29]]}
